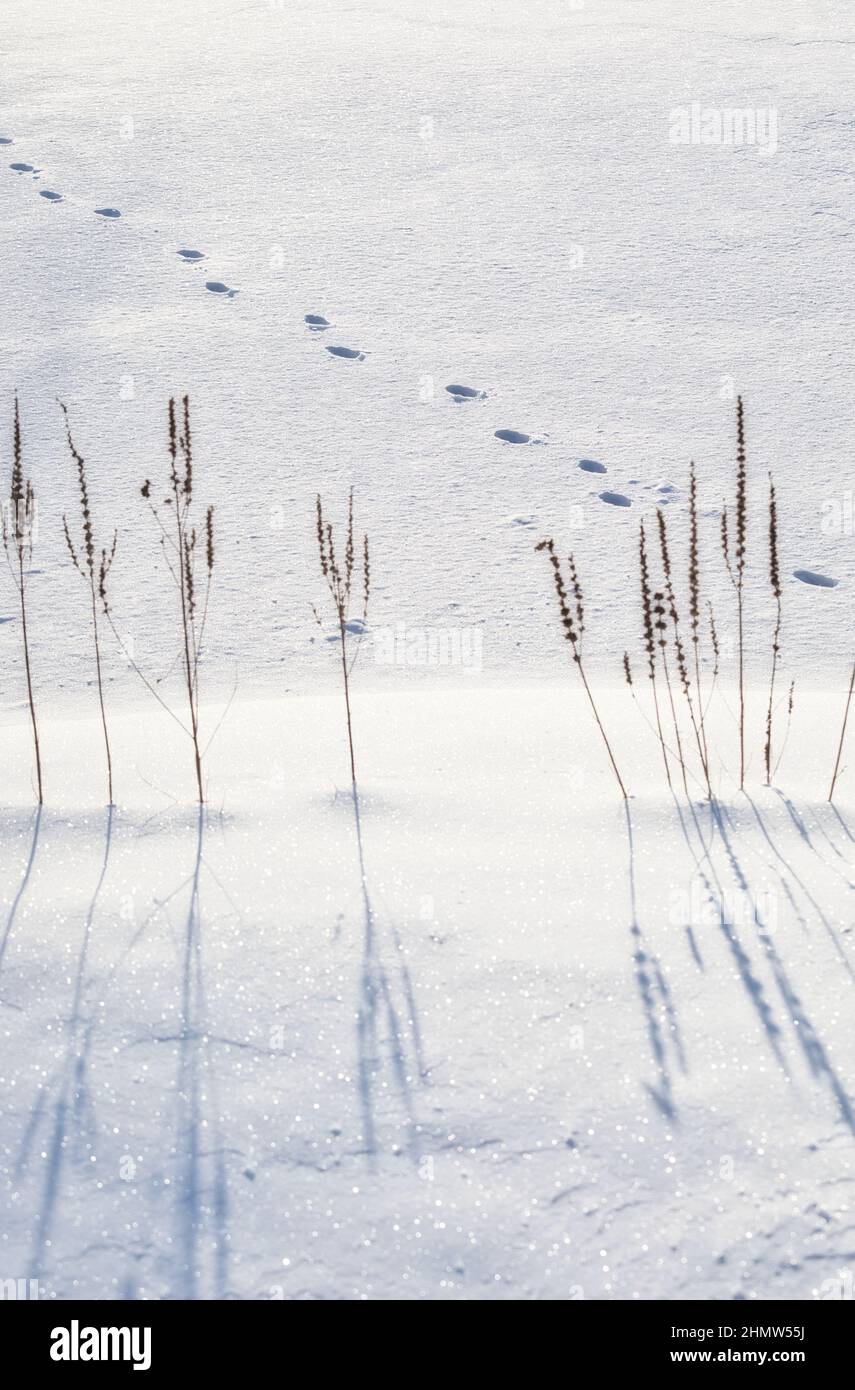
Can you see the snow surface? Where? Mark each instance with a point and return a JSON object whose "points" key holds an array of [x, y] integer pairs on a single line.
{"points": [[424, 181], [511, 1040], [530, 1062]]}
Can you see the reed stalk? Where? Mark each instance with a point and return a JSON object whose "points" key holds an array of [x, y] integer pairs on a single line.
{"points": [[842, 734], [573, 624], [775, 584], [341, 580], [93, 566], [18, 523]]}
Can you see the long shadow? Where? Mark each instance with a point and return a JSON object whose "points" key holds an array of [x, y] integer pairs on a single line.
{"points": [[808, 1038], [195, 1061], [22, 886], [651, 984], [829, 929], [805, 835], [715, 895], [375, 1003], [843, 823], [73, 1085]]}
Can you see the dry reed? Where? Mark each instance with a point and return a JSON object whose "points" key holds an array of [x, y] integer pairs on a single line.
{"points": [[695, 610], [679, 649], [775, 584], [650, 640], [842, 734], [18, 521], [741, 546], [186, 551], [574, 626], [93, 566], [340, 577], [661, 627]]}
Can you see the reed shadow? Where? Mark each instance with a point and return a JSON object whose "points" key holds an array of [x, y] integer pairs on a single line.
{"points": [[823, 918], [843, 823], [805, 835], [376, 1005], [73, 1089], [196, 1082], [22, 886], [809, 1040], [715, 896], [655, 995]]}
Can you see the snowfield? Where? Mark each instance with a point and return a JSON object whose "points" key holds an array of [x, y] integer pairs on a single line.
{"points": [[555, 1050], [485, 1031]]}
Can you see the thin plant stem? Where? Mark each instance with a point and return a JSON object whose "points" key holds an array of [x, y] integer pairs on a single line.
{"points": [[18, 531], [775, 581], [573, 623], [29, 676], [842, 734]]}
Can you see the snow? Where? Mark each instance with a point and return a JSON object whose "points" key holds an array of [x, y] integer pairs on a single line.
{"points": [[579, 1084], [500, 1037]]}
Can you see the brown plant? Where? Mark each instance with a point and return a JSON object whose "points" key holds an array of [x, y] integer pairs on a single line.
{"points": [[93, 564], [190, 560], [18, 522], [339, 578], [573, 623]]}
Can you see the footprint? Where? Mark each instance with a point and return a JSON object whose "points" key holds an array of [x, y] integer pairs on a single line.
{"points": [[108, 212], [191, 255], [316, 322], [513, 437], [51, 197], [352, 354], [591, 466], [519, 521], [23, 168], [4, 140], [466, 393], [820, 581], [217, 287], [615, 499]]}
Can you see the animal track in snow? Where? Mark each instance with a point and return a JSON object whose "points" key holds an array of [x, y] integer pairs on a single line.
{"points": [[4, 140], [51, 196], [819, 581], [591, 466], [217, 287], [23, 168], [615, 499], [519, 520], [516, 437], [350, 354], [466, 393], [108, 212], [316, 322], [191, 255]]}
